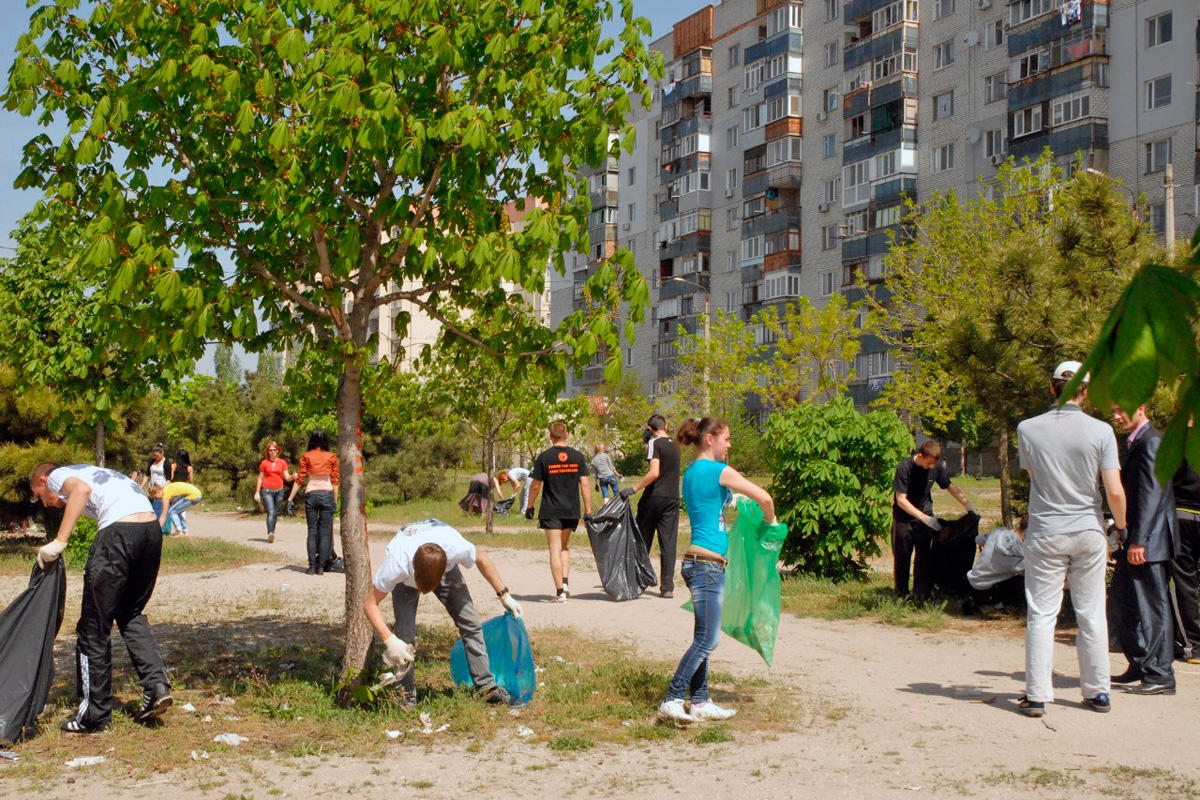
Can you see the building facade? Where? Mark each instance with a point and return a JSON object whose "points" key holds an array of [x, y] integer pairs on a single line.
{"points": [[786, 137]]}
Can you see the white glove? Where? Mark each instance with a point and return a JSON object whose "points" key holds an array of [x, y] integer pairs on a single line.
{"points": [[932, 522], [972, 509], [510, 604], [398, 654], [49, 552]]}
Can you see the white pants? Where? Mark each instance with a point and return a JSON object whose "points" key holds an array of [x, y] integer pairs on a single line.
{"points": [[1049, 560]]}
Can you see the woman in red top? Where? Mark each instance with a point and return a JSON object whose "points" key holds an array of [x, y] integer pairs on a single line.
{"points": [[269, 492], [319, 469]]}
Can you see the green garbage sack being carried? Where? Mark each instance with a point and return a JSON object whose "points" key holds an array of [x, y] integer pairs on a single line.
{"points": [[750, 612]]}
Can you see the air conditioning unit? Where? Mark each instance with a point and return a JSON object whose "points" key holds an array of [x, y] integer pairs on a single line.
{"points": [[985, 4], [823, 207], [997, 159], [843, 231], [822, 116], [729, 192], [624, 226]]}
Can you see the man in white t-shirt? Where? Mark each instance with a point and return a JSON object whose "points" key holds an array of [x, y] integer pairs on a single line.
{"points": [[122, 568], [518, 478], [425, 557]]}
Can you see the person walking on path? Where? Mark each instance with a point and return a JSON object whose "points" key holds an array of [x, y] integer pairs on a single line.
{"points": [[1140, 589], [122, 567], [270, 492], [158, 469], [658, 510], [425, 557], [564, 472], [1064, 451], [1186, 486], [913, 523], [708, 486], [177, 497], [319, 473], [606, 473]]}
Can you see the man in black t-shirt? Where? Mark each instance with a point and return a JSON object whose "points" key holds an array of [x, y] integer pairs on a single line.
{"points": [[659, 506], [1186, 485], [563, 471], [913, 523]]}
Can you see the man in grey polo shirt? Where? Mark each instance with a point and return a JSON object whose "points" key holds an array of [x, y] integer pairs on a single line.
{"points": [[1065, 451]]}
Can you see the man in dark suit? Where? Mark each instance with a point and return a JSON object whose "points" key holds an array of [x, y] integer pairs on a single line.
{"points": [[1140, 582]]}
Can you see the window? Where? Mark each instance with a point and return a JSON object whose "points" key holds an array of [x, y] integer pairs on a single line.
{"points": [[752, 117], [885, 165], [943, 54], [943, 105], [829, 99], [632, 209], [942, 8], [831, 53], [787, 105], [753, 77], [735, 55], [1158, 218], [734, 94], [731, 259], [754, 207], [827, 280], [830, 190], [731, 138], [1027, 120], [1025, 10], [829, 145], [733, 301], [730, 180], [1158, 155], [1158, 30], [995, 87], [1070, 110], [1031, 64], [784, 150], [887, 66], [856, 179], [632, 176], [858, 126], [943, 157], [789, 16], [887, 216], [829, 237], [731, 219], [756, 161], [832, 9], [994, 143], [1158, 92], [894, 14], [995, 34], [856, 223], [752, 249], [629, 356]]}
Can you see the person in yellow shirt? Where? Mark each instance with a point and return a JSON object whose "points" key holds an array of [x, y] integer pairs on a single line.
{"points": [[177, 497]]}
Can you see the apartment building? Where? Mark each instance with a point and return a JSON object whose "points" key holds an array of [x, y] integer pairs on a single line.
{"points": [[787, 136]]}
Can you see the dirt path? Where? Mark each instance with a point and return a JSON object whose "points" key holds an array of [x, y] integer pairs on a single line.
{"points": [[920, 713]]}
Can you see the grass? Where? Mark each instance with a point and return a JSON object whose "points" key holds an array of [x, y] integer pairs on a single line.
{"points": [[271, 678], [872, 599], [180, 554]]}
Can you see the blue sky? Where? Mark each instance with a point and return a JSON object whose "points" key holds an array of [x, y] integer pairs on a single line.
{"points": [[16, 130]]}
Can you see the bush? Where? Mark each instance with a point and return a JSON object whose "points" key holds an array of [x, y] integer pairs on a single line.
{"points": [[833, 470], [418, 470]]}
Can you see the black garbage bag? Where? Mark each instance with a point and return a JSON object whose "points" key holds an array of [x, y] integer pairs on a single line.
{"points": [[621, 557], [27, 630], [953, 555]]}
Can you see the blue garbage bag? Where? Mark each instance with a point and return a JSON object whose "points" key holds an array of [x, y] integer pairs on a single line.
{"points": [[510, 657]]}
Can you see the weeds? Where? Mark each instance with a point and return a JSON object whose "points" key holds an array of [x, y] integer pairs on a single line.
{"points": [[714, 734], [180, 554], [808, 596], [570, 742]]}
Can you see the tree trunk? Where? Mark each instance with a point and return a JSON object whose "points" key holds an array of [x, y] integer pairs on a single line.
{"points": [[489, 450], [963, 459], [100, 443], [353, 526], [1005, 476]]}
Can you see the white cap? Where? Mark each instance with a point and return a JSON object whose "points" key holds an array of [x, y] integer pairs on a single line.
{"points": [[1067, 370]]}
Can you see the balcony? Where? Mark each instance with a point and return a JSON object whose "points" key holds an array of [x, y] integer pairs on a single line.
{"points": [[755, 184], [700, 123], [859, 9], [781, 260], [591, 375], [789, 41], [700, 241], [784, 126], [682, 288], [667, 367], [785, 175], [772, 222], [884, 43], [886, 191], [696, 86]]}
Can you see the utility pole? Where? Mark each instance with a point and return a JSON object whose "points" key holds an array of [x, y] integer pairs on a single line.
{"points": [[707, 346], [1169, 204]]}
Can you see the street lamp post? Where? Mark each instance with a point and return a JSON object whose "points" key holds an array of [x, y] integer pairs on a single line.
{"points": [[707, 331]]}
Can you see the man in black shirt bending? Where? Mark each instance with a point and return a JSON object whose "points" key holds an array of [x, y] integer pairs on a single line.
{"points": [[563, 471], [659, 507], [913, 523]]}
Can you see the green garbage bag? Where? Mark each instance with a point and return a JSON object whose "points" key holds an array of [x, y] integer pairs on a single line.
{"points": [[750, 612]]}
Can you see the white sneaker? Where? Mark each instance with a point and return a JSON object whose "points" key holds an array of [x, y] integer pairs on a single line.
{"points": [[566, 589], [710, 712], [675, 711]]}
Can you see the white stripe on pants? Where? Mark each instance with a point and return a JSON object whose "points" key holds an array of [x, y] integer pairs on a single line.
{"points": [[1049, 561]]}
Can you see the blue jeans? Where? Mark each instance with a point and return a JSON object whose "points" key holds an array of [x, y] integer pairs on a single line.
{"points": [[609, 482], [273, 500], [707, 585], [176, 521]]}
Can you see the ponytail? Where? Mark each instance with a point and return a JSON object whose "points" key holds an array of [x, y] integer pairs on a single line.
{"points": [[693, 430]]}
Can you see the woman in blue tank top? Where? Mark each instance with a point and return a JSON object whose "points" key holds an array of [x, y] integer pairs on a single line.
{"points": [[708, 485]]}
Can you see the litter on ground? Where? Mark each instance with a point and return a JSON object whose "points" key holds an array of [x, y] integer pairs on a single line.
{"points": [[231, 739], [85, 761]]}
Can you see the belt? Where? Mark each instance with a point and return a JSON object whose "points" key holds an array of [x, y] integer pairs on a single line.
{"points": [[699, 559], [1186, 515]]}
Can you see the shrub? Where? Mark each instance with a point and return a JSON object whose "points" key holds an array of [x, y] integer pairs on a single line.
{"points": [[833, 470]]}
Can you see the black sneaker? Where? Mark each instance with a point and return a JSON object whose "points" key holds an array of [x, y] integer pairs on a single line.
{"points": [[73, 725], [155, 702], [1128, 676], [1031, 708], [496, 696], [1100, 703]]}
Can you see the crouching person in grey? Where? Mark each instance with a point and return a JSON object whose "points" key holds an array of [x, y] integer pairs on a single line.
{"points": [[425, 557]]}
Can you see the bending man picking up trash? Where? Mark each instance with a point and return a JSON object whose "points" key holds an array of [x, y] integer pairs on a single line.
{"points": [[425, 557]]}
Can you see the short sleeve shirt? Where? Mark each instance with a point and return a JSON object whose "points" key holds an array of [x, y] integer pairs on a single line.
{"points": [[272, 472], [177, 489], [666, 486], [1064, 452], [114, 496], [559, 468], [916, 483], [518, 474], [397, 566]]}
